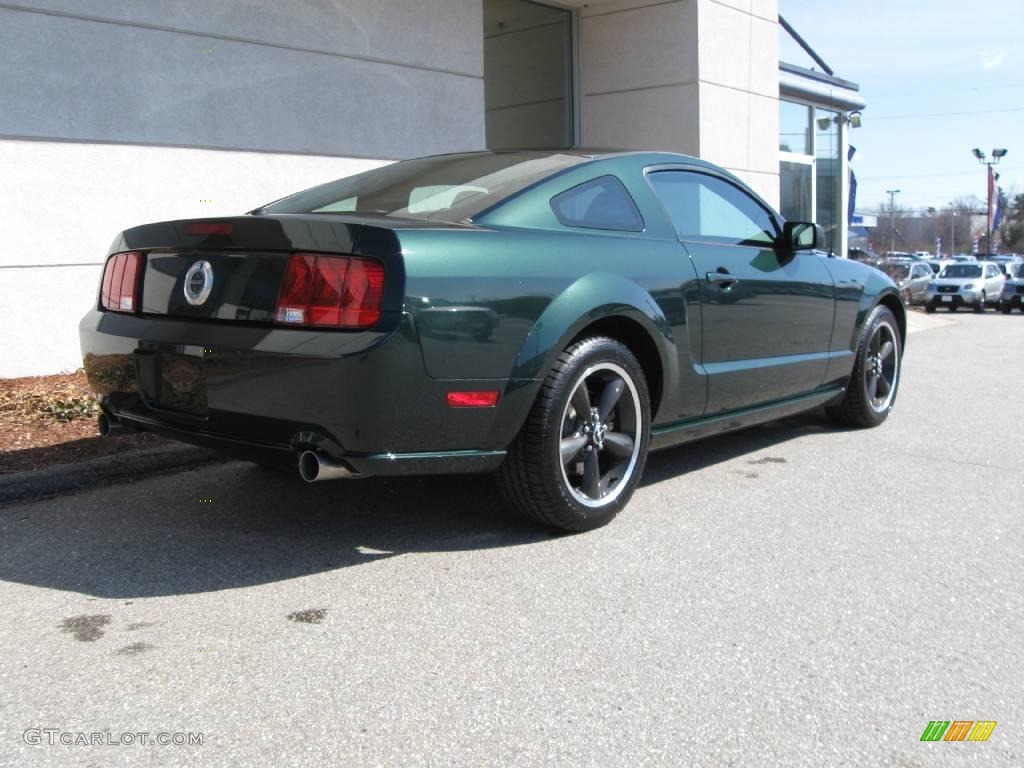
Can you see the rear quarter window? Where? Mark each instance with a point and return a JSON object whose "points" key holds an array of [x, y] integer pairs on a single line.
{"points": [[602, 203]]}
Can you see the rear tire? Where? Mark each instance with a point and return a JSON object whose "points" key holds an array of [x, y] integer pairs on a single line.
{"points": [[871, 391], [580, 454]]}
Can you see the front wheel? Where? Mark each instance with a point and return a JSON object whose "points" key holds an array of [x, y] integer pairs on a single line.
{"points": [[929, 308], [1005, 307], [871, 391], [979, 305], [580, 453]]}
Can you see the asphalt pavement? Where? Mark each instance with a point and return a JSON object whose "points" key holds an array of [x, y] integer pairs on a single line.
{"points": [[790, 595]]}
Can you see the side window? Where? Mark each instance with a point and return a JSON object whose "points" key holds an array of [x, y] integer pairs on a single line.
{"points": [[704, 207], [922, 271], [602, 203]]}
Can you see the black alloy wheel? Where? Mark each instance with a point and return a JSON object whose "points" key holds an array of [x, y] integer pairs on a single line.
{"points": [[579, 455], [871, 390]]}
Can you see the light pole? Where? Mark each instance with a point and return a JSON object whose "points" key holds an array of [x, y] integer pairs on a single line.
{"points": [[892, 218], [997, 155]]}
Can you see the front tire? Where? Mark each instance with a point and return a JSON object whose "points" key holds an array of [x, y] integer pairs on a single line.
{"points": [[580, 453], [871, 392], [979, 305]]}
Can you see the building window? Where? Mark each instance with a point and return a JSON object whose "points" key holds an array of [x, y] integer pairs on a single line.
{"points": [[794, 128], [810, 168], [827, 168], [528, 75]]}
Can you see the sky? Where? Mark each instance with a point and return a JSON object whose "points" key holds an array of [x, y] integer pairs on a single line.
{"points": [[916, 62]]}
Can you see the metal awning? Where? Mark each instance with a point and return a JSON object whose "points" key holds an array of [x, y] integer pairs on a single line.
{"points": [[821, 89]]}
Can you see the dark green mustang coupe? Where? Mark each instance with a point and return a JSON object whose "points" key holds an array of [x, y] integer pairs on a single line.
{"points": [[549, 315]]}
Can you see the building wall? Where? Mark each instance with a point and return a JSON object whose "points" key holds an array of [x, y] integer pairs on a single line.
{"points": [[114, 114], [639, 75], [738, 62], [527, 66], [693, 76], [361, 77]]}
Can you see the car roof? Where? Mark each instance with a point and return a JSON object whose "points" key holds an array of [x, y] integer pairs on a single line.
{"points": [[647, 156]]}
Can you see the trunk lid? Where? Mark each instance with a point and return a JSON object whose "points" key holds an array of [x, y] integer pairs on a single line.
{"points": [[231, 269]]}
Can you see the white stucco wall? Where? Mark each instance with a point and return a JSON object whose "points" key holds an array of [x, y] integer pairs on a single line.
{"points": [[63, 203]]}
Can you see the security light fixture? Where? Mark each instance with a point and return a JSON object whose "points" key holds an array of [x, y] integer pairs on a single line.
{"points": [[978, 154], [998, 153], [854, 119]]}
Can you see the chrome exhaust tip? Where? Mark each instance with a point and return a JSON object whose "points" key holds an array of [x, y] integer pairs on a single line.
{"points": [[108, 426], [314, 467]]}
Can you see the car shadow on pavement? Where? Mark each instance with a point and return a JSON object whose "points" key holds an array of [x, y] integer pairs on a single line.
{"points": [[697, 455], [236, 525]]}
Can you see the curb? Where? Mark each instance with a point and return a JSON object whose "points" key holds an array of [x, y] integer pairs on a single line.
{"points": [[104, 470]]}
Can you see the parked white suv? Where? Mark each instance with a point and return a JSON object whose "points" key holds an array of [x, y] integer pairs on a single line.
{"points": [[972, 284]]}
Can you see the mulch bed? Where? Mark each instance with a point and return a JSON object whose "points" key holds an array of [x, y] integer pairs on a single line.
{"points": [[47, 420]]}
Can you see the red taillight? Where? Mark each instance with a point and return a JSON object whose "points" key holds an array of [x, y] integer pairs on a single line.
{"points": [[121, 281], [334, 291], [478, 399], [209, 228]]}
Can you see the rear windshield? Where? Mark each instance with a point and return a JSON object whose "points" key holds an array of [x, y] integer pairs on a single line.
{"points": [[961, 270], [444, 188]]}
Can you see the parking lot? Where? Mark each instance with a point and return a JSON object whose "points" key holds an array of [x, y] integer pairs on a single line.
{"points": [[789, 595]]}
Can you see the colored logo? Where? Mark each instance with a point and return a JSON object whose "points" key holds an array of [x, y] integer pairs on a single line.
{"points": [[958, 730]]}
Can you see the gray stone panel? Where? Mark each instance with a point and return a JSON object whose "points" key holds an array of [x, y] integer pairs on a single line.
{"points": [[70, 79]]}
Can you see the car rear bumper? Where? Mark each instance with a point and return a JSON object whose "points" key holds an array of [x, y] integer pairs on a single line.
{"points": [[267, 394], [1013, 300]]}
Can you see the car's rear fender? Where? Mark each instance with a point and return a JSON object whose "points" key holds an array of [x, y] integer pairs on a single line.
{"points": [[589, 301]]}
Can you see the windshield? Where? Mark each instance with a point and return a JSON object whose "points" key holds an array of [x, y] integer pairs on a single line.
{"points": [[961, 270], [446, 188], [896, 271]]}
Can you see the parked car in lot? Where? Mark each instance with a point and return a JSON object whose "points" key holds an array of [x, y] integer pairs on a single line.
{"points": [[1005, 262], [972, 284], [864, 255], [1013, 289], [911, 277], [552, 316], [936, 265]]}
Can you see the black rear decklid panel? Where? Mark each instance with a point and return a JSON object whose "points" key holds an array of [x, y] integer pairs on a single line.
{"points": [[249, 257], [245, 285]]}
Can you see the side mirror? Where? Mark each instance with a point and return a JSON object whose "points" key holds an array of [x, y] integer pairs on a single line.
{"points": [[802, 236]]}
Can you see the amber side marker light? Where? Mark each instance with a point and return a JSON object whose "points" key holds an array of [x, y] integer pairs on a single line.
{"points": [[487, 398]]}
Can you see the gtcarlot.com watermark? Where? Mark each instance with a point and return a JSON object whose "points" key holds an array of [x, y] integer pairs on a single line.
{"points": [[50, 737]]}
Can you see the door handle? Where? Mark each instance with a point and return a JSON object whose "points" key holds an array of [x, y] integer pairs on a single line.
{"points": [[722, 279]]}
